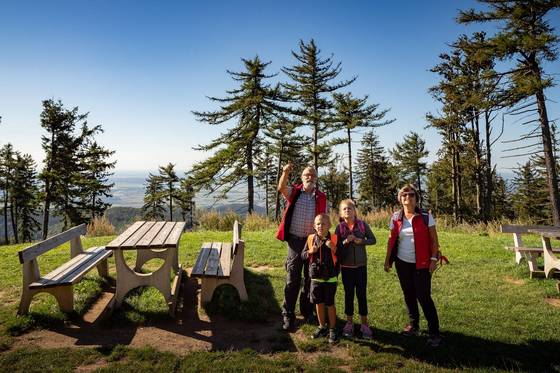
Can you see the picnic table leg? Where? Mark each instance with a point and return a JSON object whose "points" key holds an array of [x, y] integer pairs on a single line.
{"points": [[551, 262], [145, 255]]}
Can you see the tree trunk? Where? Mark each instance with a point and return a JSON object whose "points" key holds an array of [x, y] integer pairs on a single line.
{"points": [[350, 185], [489, 181], [14, 223], [170, 201], [46, 210], [552, 177], [419, 187], [6, 214], [250, 182], [278, 172], [478, 162]]}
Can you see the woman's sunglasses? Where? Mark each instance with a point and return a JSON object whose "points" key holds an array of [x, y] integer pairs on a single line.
{"points": [[410, 194]]}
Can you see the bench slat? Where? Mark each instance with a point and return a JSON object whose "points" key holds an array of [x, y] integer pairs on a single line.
{"points": [[213, 261], [530, 249], [173, 237], [150, 235], [42, 247], [59, 276], [85, 267], [137, 236], [520, 228], [236, 236], [224, 269], [123, 236], [200, 265]]}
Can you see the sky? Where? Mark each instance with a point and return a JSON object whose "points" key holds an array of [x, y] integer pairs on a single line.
{"points": [[141, 67]]}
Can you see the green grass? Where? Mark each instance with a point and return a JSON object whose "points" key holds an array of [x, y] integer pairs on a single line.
{"points": [[489, 322]]}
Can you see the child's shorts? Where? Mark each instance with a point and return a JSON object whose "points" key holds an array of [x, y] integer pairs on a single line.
{"points": [[322, 292]]}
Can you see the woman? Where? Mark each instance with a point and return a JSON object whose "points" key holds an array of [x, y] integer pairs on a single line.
{"points": [[413, 246]]}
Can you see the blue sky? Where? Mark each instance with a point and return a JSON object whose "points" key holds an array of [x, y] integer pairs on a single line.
{"points": [[140, 67]]}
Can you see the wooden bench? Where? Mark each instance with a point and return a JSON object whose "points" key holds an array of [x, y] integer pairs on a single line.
{"points": [[60, 281], [530, 254], [221, 263]]}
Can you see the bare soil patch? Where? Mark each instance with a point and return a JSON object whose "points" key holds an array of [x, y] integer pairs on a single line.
{"points": [[190, 330], [263, 268], [555, 302], [514, 281]]}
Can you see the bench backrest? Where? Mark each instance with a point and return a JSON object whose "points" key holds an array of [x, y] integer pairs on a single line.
{"points": [[73, 235], [236, 236], [520, 228]]}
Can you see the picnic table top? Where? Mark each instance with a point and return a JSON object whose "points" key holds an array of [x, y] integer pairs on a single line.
{"points": [[148, 235], [552, 232]]}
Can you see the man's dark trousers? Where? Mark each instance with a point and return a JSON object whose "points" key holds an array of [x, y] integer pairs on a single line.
{"points": [[294, 266]]}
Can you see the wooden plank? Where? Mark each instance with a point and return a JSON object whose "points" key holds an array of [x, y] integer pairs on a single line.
{"points": [[225, 261], [200, 265], [34, 251], [131, 242], [60, 271], [175, 235], [150, 235], [530, 249], [117, 242], [80, 271], [175, 288], [159, 240], [59, 276], [510, 228], [213, 261], [236, 236]]}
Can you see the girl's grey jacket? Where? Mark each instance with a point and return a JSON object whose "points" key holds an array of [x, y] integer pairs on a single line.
{"points": [[353, 255]]}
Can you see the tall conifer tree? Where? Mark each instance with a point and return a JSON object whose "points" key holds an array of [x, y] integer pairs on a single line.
{"points": [[310, 87], [408, 159], [169, 178], [254, 105]]}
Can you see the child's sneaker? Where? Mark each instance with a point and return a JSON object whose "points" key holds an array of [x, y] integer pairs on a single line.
{"points": [[434, 340], [348, 330], [409, 331], [321, 331], [333, 336], [366, 332]]}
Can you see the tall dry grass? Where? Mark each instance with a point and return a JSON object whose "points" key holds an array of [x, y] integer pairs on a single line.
{"points": [[100, 226], [212, 220]]}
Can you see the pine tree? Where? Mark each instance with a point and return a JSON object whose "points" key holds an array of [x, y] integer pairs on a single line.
{"points": [[185, 199], [7, 165], [312, 83], [254, 105], [169, 178], [352, 114], [408, 160], [60, 146], [334, 183], [25, 198], [154, 195], [94, 186], [529, 197], [376, 184], [526, 37]]}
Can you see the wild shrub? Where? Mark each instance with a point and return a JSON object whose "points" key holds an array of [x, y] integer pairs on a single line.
{"points": [[100, 226]]}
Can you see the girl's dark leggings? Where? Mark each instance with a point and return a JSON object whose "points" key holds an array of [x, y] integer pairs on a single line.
{"points": [[416, 285], [355, 282]]}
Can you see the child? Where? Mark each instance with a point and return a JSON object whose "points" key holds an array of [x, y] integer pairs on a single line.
{"points": [[353, 235], [320, 250]]}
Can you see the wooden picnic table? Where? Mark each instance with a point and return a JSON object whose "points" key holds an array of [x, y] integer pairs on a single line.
{"points": [[151, 240], [551, 262]]}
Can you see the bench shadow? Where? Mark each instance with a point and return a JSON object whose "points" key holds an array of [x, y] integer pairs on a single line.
{"points": [[465, 351], [229, 324]]}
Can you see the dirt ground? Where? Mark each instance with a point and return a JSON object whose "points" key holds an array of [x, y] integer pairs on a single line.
{"points": [[189, 330]]}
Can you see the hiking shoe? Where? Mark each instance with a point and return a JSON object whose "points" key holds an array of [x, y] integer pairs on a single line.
{"points": [[287, 323], [434, 340], [409, 331], [366, 332], [320, 332], [348, 330], [333, 336]]}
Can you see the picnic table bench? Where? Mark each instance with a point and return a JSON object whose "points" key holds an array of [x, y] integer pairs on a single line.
{"points": [[522, 252], [60, 281], [221, 263]]}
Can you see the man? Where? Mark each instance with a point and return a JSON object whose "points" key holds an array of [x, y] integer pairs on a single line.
{"points": [[303, 202]]}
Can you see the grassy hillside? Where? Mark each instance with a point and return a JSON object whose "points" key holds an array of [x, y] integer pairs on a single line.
{"points": [[493, 317]]}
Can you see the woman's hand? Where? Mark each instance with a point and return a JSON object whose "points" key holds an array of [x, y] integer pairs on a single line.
{"points": [[433, 266], [330, 245]]}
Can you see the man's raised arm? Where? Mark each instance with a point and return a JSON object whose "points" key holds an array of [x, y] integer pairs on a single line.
{"points": [[283, 182]]}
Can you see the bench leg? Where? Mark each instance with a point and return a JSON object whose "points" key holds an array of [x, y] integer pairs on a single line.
{"points": [[65, 297], [207, 287], [103, 268], [25, 302]]}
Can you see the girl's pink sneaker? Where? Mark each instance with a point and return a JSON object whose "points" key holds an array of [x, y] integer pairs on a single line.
{"points": [[348, 330], [366, 332]]}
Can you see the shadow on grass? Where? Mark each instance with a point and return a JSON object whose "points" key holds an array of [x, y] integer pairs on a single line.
{"points": [[461, 351], [232, 324]]}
